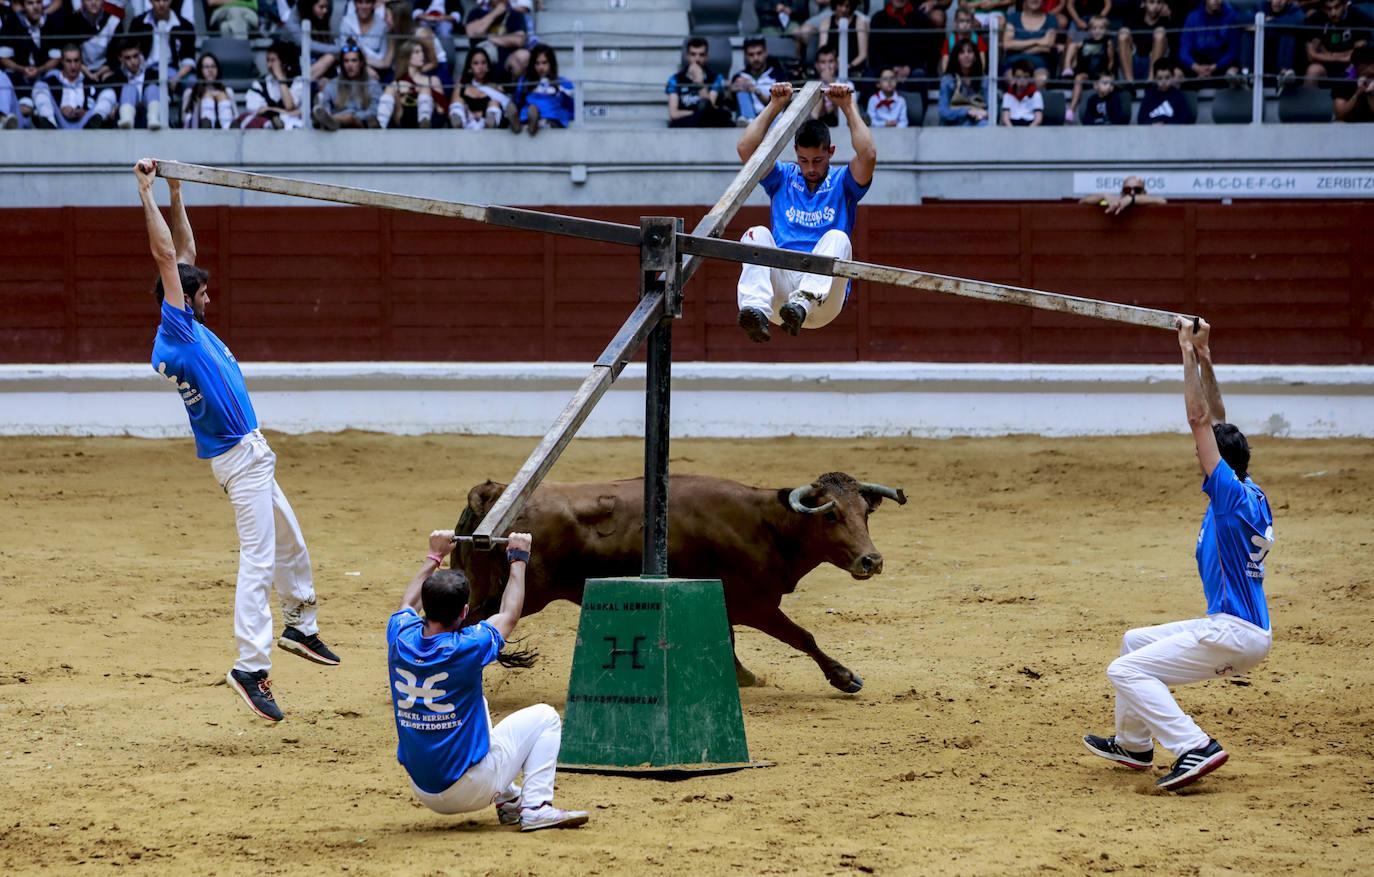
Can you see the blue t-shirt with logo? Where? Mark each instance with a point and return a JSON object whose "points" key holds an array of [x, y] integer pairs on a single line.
{"points": [[800, 216], [1237, 532], [436, 687], [208, 378]]}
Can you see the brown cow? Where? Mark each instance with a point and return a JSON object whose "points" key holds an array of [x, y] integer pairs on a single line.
{"points": [[759, 542]]}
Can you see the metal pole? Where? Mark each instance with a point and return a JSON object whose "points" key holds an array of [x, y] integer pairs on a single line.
{"points": [[994, 59], [307, 104], [842, 75], [659, 276], [578, 74], [163, 53], [1257, 95]]}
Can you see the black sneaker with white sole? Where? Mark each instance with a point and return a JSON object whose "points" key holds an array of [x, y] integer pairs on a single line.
{"points": [[1193, 765], [755, 324], [309, 647], [256, 690], [1108, 748]]}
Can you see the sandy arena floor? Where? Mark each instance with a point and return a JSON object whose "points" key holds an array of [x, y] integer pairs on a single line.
{"points": [[1009, 580]]}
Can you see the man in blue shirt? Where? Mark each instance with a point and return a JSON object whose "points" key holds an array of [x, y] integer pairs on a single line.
{"points": [[1236, 535], [271, 547], [812, 211], [456, 760]]}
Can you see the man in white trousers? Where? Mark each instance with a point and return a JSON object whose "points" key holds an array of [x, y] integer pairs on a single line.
{"points": [[271, 548], [812, 211], [456, 760], [1236, 535]]}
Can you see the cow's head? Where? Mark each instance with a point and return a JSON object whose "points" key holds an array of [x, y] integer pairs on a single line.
{"points": [[839, 507]]}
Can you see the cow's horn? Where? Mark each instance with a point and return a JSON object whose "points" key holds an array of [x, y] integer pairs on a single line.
{"points": [[888, 492], [795, 498]]}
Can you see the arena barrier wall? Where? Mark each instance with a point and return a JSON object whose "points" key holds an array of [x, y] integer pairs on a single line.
{"points": [[744, 400]]}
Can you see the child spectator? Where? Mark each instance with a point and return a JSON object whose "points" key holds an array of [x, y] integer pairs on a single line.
{"points": [[964, 29], [276, 99], [361, 26], [477, 103], [693, 102], [1022, 103], [502, 31], [1342, 30], [1210, 44], [887, 108], [324, 49], [1144, 38], [1082, 12], [138, 90], [1087, 58], [963, 88], [351, 100], [750, 86], [416, 99], [544, 99], [1103, 107], [1163, 103], [208, 103], [68, 98], [1031, 34]]}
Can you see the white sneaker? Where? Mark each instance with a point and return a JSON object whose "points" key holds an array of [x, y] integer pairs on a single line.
{"points": [[127, 113], [155, 116], [549, 816]]}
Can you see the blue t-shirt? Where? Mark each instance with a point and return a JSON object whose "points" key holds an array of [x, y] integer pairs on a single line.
{"points": [[1237, 532], [800, 216], [208, 378], [436, 687]]}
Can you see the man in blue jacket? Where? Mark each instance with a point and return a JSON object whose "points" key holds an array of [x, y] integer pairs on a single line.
{"points": [[1210, 45]]}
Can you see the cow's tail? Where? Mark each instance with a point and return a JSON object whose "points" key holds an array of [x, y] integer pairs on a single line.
{"points": [[520, 658]]}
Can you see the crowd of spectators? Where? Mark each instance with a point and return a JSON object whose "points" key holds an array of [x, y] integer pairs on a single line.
{"points": [[373, 64]]}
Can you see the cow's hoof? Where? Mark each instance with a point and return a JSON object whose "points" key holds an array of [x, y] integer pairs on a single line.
{"points": [[744, 678], [852, 687]]}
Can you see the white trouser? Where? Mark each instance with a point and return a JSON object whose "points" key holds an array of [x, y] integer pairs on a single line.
{"points": [[526, 740], [1154, 658], [47, 106], [271, 551], [768, 288]]}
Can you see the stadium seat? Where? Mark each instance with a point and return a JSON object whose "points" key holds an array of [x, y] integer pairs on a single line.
{"points": [[236, 67], [715, 17], [1305, 105], [1191, 98], [782, 49], [1055, 104], [1233, 106]]}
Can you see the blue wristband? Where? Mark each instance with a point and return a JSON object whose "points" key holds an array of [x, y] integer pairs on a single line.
{"points": [[514, 554]]}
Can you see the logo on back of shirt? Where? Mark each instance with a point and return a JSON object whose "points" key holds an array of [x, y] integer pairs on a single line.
{"points": [[189, 394], [425, 691]]}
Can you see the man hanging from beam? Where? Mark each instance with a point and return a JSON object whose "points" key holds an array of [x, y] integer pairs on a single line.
{"points": [[813, 207]]}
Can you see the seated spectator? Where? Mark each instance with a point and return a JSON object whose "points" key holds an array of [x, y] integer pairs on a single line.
{"points": [[140, 99], [694, 98], [963, 88], [351, 99], [1342, 30], [1103, 107], [1163, 103], [501, 31], [1144, 38], [777, 17], [234, 18], [887, 108], [441, 16], [857, 22], [416, 99], [1080, 14], [1353, 99], [1132, 193], [811, 28], [29, 48], [910, 56], [545, 99], [68, 98], [181, 41], [750, 86], [402, 26], [1210, 44], [275, 100], [361, 26], [1087, 58], [1283, 22], [984, 11], [1031, 34], [827, 70], [324, 49], [208, 103], [964, 29], [9, 105], [1022, 104], [92, 28], [477, 103]]}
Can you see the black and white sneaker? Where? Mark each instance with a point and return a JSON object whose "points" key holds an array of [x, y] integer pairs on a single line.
{"points": [[1193, 765], [256, 690], [755, 324], [1108, 748], [309, 647]]}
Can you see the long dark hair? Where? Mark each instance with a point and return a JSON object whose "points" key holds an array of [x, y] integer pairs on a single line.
{"points": [[977, 71], [203, 85], [466, 77], [321, 24], [546, 50]]}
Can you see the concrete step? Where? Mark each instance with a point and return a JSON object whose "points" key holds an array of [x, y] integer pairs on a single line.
{"points": [[557, 27], [583, 7], [667, 58], [600, 114]]}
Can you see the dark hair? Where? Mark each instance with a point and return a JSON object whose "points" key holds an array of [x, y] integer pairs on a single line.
{"points": [[71, 47], [977, 71], [1235, 450], [1164, 63], [191, 278], [306, 8], [1361, 55], [203, 85], [812, 134], [698, 43], [751, 42], [543, 49], [1024, 65], [290, 56], [830, 49], [124, 44], [466, 76], [444, 595]]}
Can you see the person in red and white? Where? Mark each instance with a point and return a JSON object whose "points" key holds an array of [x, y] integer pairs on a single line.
{"points": [[1022, 103], [887, 108]]}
